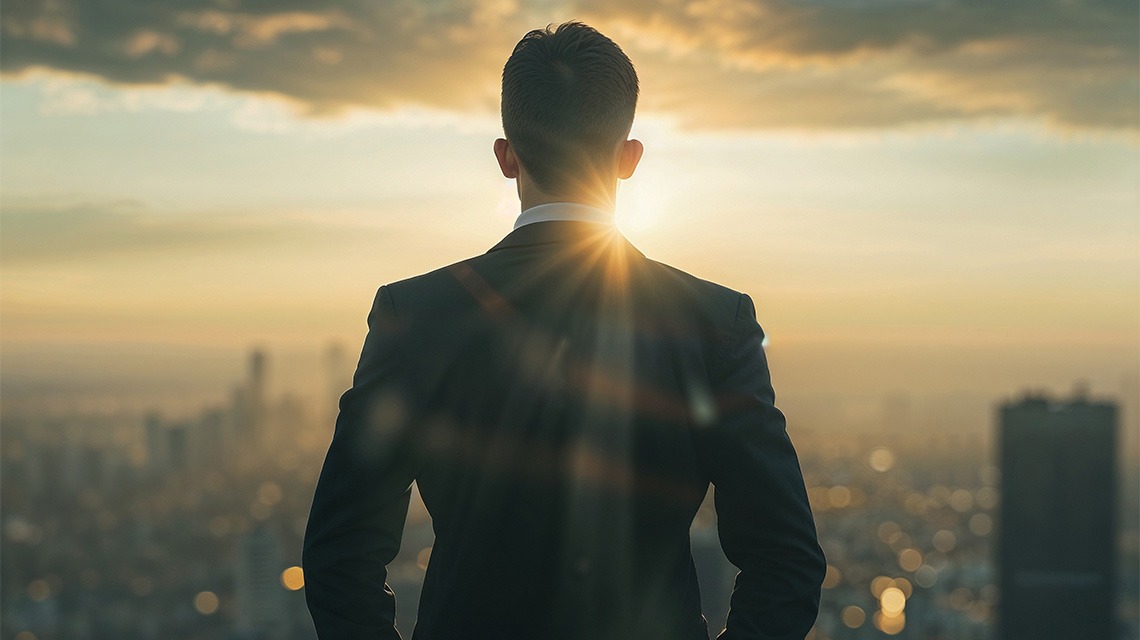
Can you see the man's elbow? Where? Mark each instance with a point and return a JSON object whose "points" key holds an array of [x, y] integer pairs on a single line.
{"points": [[810, 569], [314, 557], [819, 563], [819, 571]]}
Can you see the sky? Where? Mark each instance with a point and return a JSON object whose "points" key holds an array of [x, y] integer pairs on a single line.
{"points": [[925, 198]]}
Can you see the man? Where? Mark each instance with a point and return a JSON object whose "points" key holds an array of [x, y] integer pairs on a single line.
{"points": [[563, 403]]}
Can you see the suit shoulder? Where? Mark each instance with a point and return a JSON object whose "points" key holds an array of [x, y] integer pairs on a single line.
{"points": [[435, 289], [707, 293]]}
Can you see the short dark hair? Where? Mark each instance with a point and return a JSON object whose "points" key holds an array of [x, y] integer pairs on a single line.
{"points": [[568, 100]]}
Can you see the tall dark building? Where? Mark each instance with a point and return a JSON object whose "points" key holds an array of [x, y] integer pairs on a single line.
{"points": [[262, 606], [249, 401], [257, 381], [1057, 542]]}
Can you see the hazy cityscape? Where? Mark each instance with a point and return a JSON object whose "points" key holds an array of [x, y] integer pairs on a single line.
{"points": [[933, 205], [135, 525]]}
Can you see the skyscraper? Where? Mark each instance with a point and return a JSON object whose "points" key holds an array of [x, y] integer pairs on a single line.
{"points": [[248, 402], [257, 366], [257, 391], [1056, 528], [261, 604]]}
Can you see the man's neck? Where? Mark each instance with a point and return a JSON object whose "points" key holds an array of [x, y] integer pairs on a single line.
{"points": [[604, 206], [529, 196]]}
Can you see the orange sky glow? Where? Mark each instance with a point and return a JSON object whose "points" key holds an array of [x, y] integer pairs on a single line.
{"points": [[918, 205]]}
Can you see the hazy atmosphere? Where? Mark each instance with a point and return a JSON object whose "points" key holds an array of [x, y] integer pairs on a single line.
{"points": [[934, 204], [942, 196]]}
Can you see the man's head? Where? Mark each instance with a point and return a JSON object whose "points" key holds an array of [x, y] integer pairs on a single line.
{"points": [[569, 96]]}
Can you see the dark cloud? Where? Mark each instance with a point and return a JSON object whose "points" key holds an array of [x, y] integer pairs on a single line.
{"points": [[326, 55], [711, 63], [858, 63]]}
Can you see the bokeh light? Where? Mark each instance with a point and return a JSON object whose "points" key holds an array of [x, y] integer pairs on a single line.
{"points": [[839, 496], [423, 557], [206, 603], [890, 624], [944, 540], [853, 617], [293, 578], [910, 559], [981, 524], [926, 576], [961, 500], [38, 590], [904, 585], [832, 577], [892, 600], [881, 459], [880, 584], [269, 493]]}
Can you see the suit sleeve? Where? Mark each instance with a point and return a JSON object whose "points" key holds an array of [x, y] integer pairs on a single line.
{"points": [[361, 499], [764, 520]]}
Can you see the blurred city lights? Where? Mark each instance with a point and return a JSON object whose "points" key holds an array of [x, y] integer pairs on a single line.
{"points": [[38, 590], [206, 603], [881, 459], [961, 500], [839, 496], [902, 584], [423, 557], [892, 601], [269, 493], [981, 524], [293, 578], [832, 577], [879, 585], [926, 576], [910, 559], [889, 624], [886, 530], [944, 540], [853, 617]]}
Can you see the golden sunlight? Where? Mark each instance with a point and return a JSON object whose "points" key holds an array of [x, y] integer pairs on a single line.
{"points": [[641, 201]]}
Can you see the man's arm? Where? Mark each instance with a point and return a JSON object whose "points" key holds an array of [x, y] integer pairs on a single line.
{"points": [[361, 499], [763, 517]]}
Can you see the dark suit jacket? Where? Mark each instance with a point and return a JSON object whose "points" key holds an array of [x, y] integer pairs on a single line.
{"points": [[563, 403]]}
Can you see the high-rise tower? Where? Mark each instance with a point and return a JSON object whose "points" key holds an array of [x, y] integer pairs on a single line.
{"points": [[1057, 542]]}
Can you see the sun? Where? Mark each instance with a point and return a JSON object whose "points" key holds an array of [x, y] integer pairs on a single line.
{"points": [[641, 201]]}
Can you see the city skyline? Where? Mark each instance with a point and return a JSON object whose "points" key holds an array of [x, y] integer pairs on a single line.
{"points": [[200, 540]]}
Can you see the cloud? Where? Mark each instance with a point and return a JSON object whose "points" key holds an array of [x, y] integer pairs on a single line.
{"points": [[49, 232], [873, 63], [710, 64], [326, 56], [39, 231]]}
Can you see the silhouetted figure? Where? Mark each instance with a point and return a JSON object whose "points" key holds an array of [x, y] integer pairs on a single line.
{"points": [[563, 403]]}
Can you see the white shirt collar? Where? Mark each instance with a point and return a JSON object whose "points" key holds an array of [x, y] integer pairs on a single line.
{"points": [[563, 211]]}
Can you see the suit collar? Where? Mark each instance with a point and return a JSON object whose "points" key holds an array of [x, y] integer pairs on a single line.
{"points": [[564, 211]]}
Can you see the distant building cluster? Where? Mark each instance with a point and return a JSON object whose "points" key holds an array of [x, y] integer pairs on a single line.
{"points": [[149, 528], [126, 526]]}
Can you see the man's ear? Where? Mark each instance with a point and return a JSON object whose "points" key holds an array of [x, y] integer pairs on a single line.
{"points": [[628, 157], [508, 161]]}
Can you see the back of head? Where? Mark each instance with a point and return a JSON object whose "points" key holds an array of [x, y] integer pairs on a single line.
{"points": [[568, 101]]}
